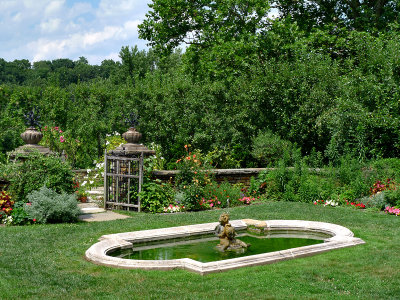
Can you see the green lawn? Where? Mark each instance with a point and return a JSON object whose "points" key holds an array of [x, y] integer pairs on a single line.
{"points": [[46, 261]]}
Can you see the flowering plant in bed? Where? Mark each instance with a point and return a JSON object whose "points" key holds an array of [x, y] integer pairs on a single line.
{"points": [[59, 140], [246, 200], [192, 179], [392, 210], [6, 205], [174, 208], [356, 204], [326, 203]]}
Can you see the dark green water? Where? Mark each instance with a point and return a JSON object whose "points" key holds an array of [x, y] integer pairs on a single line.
{"points": [[204, 250]]}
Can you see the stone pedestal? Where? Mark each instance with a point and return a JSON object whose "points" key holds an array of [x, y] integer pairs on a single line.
{"points": [[132, 136], [31, 136]]}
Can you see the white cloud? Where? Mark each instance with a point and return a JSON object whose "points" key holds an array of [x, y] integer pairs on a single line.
{"points": [[49, 29], [97, 59], [109, 32], [114, 8], [17, 17], [50, 25], [54, 7]]}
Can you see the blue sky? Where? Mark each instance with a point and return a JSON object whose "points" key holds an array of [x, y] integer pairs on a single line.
{"points": [[50, 29]]}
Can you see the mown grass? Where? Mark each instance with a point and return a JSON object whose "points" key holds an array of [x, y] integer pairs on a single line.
{"points": [[46, 261]]}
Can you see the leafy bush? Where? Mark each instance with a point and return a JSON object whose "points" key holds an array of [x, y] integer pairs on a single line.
{"points": [[267, 148], [222, 195], [36, 171], [377, 200], [58, 141], [392, 197], [47, 206], [19, 216], [192, 197], [222, 159], [155, 196]]}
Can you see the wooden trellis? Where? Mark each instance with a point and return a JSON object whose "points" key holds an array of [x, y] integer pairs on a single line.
{"points": [[123, 180]]}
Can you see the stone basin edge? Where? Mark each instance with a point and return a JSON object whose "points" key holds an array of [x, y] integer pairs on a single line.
{"points": [[340, 237]]}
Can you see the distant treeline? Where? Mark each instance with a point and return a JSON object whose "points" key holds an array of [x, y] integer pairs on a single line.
{"points": [[63, 71]]}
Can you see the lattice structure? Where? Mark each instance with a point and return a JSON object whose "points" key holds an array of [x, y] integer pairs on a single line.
{"points": [[123, 179]]}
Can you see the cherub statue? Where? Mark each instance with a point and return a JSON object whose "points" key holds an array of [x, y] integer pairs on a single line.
{"points": [[227, 234]]}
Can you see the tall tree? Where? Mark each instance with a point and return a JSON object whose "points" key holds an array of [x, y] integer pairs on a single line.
{"points": [[201, 22]]}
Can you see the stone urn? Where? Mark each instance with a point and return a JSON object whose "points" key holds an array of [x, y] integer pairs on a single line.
{"points": [[31, 136], [132, 146], [132, 136]]}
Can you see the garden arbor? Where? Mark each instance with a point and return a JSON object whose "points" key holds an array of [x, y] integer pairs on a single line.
{"points": [[123, 173]]}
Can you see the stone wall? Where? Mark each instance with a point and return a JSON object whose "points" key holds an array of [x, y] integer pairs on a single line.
{"points": [[231, 175]]}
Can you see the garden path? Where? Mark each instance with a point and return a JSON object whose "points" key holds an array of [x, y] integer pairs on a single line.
{"points": [[93, 213]]}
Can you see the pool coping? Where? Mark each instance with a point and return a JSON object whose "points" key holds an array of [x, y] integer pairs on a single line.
{"points": [[340, 237]]}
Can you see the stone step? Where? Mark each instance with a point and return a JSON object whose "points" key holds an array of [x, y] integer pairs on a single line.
{"points": [[95, 192], [92, 210]]}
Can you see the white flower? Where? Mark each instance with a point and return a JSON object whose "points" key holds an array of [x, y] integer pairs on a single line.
{"points": [[331, 203], [97, 175], [83, 183], [88, 171], [107, 143], [95, 161], [116, 133], [8, 220], [91, 182]]}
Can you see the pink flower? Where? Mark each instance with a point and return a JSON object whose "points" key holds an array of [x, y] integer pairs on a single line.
{"points": [[211, 204], [62, 140], [60, 131]]}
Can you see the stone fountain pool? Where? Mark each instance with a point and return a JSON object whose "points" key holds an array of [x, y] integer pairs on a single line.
{"points": [[326, 236]]}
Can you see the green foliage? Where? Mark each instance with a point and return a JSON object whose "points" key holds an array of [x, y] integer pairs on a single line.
{"points": [[36, 171], [392, 197], [155, 196], [47, 206], [222, 195], [59, 141], [378, 200], [221, 159], [367, 16], [192, 196], [267, 148], [19, 216], [168, 24]]}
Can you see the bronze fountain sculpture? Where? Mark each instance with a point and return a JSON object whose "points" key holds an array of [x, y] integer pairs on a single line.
{"points": [[227, 234]]}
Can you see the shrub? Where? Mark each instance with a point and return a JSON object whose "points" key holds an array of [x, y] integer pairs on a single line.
{"points": [[155, 197], [192, 199], [222, 159], [392, 197], [58, 141], [19, 216], [267, 148], [47, 206], [219, 195], [36, 171]]}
